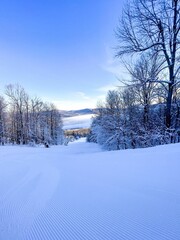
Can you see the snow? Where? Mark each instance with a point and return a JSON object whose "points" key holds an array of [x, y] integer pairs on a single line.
{"points": [[76, 122], [80, 192]]}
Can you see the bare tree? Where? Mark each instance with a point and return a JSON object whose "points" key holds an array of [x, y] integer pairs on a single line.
{"points": [[145, 91], [30, 121], [36, 108], [17, 97], [3, 106], [153, 25]]}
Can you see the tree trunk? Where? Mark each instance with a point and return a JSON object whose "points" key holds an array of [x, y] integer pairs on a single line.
{"points": [[168, 106]]}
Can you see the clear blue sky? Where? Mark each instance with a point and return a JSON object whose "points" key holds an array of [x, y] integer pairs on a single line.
{"points": [[60, 50]]}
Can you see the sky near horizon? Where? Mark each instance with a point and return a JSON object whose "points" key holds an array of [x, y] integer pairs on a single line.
{"points": [[60, 50]]}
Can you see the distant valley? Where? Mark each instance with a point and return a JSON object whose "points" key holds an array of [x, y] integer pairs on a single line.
{"points": [[78, 119]]}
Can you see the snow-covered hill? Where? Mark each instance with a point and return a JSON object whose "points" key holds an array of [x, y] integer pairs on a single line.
{"points": [[73, 113], [79, 121], [79, 192]]}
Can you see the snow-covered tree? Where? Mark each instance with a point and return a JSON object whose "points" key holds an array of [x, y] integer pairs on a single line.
{"points": [[145, 89], [51, 125], [107, 128], [120, 123], [30, 121], [154, 25], [17, 95], [3, 106]]}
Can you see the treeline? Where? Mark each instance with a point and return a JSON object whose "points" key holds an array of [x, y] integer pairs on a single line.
{"points": [[26, 120], [147, 111], [134, 115]]}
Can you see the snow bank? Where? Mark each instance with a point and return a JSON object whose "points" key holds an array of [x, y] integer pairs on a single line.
{"points": [[80, 192]]}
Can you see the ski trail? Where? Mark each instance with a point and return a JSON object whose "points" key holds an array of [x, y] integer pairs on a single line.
{"points": [[79, 192], [25, 200]]}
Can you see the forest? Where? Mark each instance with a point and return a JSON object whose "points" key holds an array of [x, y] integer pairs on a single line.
{"points": [[26, 120], [145, 110]]}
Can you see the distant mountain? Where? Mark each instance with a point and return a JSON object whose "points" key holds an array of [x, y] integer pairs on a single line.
{"points": [[77, 122], [73, 113]]}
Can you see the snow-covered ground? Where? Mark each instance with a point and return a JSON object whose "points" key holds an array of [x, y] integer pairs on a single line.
{"points": [[79, 192], [80, 121]]}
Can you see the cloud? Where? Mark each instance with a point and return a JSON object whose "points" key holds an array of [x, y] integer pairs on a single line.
{"points": [[82, 95], [106, 88], [79, 101], [75, 104]]}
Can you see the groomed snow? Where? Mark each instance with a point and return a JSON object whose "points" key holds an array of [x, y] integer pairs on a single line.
{"points": [[78, 192]]}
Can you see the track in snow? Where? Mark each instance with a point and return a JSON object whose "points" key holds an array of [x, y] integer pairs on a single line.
{"points": [[79, 192]]}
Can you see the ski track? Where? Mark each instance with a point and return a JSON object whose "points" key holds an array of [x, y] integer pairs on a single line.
{"points": [[79, 192]]}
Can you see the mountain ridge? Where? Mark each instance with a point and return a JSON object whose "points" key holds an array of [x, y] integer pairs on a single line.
{"points": [[72, 113]]}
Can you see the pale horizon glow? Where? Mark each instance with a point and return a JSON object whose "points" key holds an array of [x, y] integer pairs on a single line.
{"points": [[72, 105]]}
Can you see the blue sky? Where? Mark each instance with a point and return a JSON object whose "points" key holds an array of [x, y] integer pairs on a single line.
{"points": [[60, 50]]}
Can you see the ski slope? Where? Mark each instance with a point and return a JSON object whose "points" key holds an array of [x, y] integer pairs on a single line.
{"points": [[79, 192]]}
